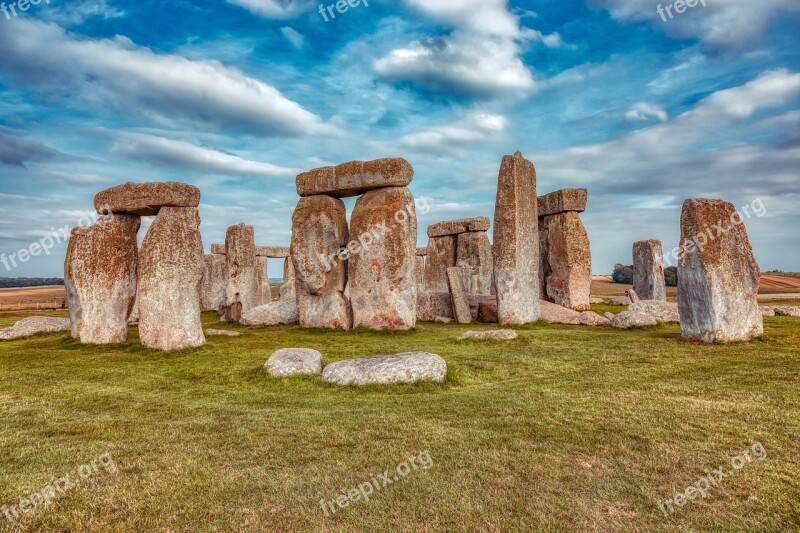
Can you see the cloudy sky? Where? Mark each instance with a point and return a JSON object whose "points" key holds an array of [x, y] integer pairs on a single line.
{"points": [[237, 97]]}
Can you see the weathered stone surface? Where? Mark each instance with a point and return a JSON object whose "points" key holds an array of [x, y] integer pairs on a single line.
{"points": [[487, 308], [609, 315], [556, 314], [355, 178], [243, 291], [319, 231], [146, 199], [222, 333], [214, 282], [565, 268], [443, 320], [432, 305], [648, 270], [563, 201], [33, 325], [272, 314], [409, 367], [516, 246], [458, 294], [633, 319], [596, 301], [100, 279], [419, 273], [787, 310], [661, 311], [622, 300], [289, 362], [441, 256], [590, 318], [422, 252], [170, 268], [218, 249], [382, 283], [495, 335], [273, 252], [264, 291], [767, 311], [474, 257], [288, 291], [456, 227], [719, 277], [632, 296], [134, 317]]}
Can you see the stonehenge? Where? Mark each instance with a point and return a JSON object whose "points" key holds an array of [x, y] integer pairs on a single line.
{"points": [[516, 248], [463, 243], [214, 281], [648, 270], [718, 276], [362, 275], [565, 259]]}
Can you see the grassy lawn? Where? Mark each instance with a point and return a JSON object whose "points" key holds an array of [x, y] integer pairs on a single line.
{"points": [[568, 428]]}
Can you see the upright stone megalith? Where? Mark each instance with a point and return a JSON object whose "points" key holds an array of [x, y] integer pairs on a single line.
{"points": [[382, 274], [565, 275], [170, 269], [648, 270], [319, 233], [474, 256], [516, 242], [264, 290], [441, 256], [100, 279], [718, 275], [244, 288], [214, 282]]}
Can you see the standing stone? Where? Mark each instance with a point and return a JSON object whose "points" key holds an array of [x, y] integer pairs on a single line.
{"points": [[474, 256], [287, 289], [516, 242], [458, 292], [382, 283], [319, 231], [170, 268], [441, 256], [244, 288], [264, 291], [100, 278], [214, 282], [419, 273], [648, 271], [718, 276], [565, 267]]}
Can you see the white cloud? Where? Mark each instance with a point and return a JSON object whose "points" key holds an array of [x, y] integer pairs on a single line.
{"points": [[646, 112], [293, 36], [183, 155], [274, 9], [79, 12], [96, 73], [474, 129], [726, 24]]}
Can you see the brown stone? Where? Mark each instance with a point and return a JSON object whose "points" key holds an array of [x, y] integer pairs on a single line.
{"points": [[100, 279], [718, 276], [565, 268], [648, 271], [441, 256], [319, 231], [264, 291], [419, 273], [474, 256], [355, 178], [563, 201], [287, 289], [456, 227], [214, 282], [458, 293], [382, 284], [432, 305], [244, 288], [273, 252], [422, 252], [516, 243], [218, 249], [487, 308], [170, 268], [146, 199]]}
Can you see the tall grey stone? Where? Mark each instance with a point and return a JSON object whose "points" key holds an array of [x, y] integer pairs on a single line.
{"points": [[243, 291], [458, 292], [441, 256], [214, 282], [648, 271], [474, 256]]}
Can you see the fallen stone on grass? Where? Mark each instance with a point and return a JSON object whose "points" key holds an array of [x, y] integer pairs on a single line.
{"points": [[443, 320], [409, 367], [622, 300], [767, 311], [496, 335], [272, 314], [596, 301], [33, 325], [661, 311], [787, 310], [289, 362], [633, 319], [590, 318], [222, 333], [609, 315], [556, 314]]}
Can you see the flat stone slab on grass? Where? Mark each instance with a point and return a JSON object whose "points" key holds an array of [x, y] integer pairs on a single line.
{"points": [[146, 199], [33, 325], [495, 335], [272, 314], [289, 362], [411, 367], [787, 310], [633, 319], [222, 333], [661, 311]]}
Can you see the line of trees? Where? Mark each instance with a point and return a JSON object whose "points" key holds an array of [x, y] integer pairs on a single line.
{"points": [[624, 274], [9, 283]]}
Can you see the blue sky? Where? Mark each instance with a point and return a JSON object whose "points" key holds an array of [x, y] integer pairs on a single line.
{"points": [[237, 97]]}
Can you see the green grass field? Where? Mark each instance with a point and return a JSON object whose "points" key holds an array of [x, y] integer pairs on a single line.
{"points": [[568, 428]]}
